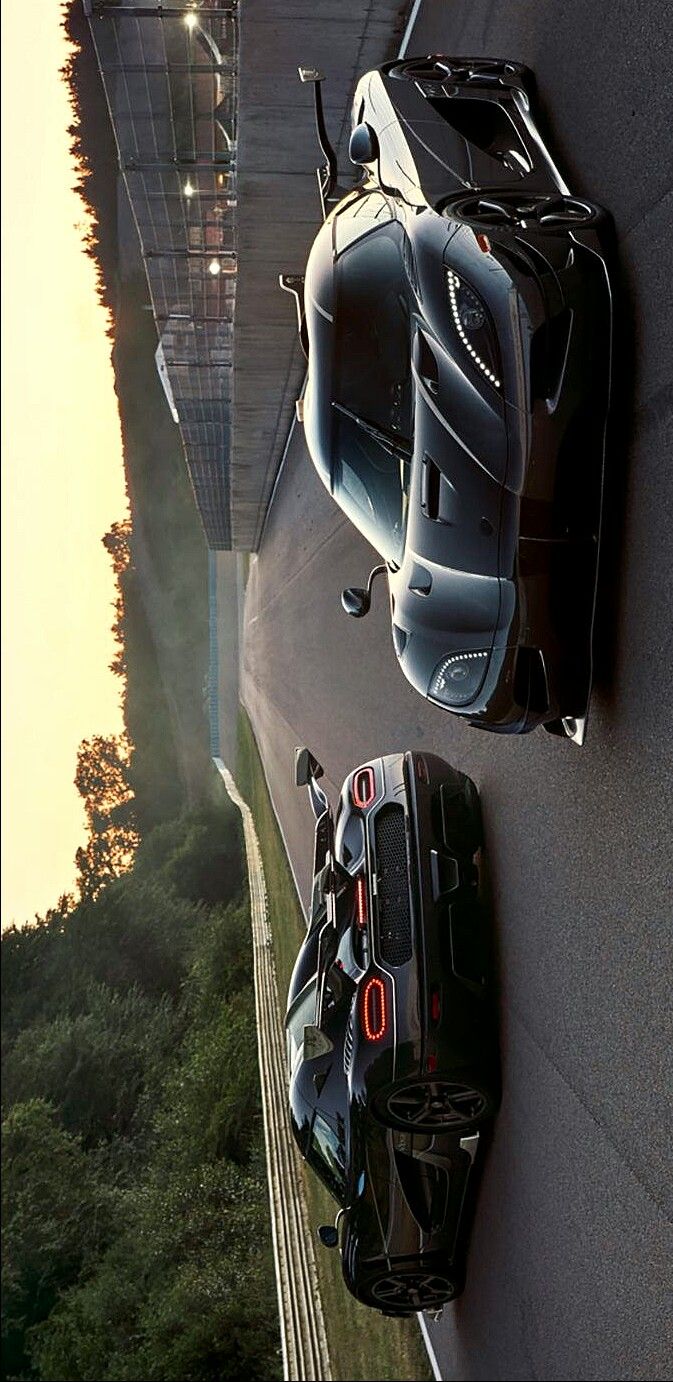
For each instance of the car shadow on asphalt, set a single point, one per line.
(493, 992)
(619, 439)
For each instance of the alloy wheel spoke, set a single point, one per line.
(559, 212)
(562, 218)
(436, 1104)
(418, 1289)
(437, 1289)
(497, 211)
(421, 1113)
(464, 1096)
(407, 1099)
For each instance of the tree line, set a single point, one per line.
(136, 1230)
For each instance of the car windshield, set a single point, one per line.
(373, 408)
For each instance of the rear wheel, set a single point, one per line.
(501, 210)
(555, 727)
(407, 1289)
(437, 67)
(433, 1106)
(476, 829)
(461, 815)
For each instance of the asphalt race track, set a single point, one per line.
(570, 1264)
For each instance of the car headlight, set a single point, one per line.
(474, 328)
(458, 678)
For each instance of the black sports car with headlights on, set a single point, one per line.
(456, 312)
(391, 1049)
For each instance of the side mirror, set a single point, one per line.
(328, 1235)
(306, 766)
(355, 601)
(316, 1043)
(364, 145)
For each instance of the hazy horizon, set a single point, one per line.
(63, 478)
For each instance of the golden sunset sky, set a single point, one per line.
(63, 481)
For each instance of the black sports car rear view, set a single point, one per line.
(390, 1038)
(457, 317)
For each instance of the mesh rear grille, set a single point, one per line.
(394, 913)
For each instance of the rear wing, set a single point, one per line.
(327, 173)
(294, 284)
(329, 876)
(327, 190)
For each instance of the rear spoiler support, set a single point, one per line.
(327, 174)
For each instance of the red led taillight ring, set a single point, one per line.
(374, 1009)
(363, 787)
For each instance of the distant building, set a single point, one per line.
(169, 72)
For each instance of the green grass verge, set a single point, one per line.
(362, 1344)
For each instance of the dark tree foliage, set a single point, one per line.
(56, 1213)
(93, 147)
(137, 1241)
(102, 780)
(118, 543)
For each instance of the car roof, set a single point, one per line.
(319, 296)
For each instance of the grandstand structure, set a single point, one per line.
(170, 77)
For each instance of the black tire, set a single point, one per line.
(501, 211)
(555, 727)
(408, 1289)
(433, 1105)
(464, 826)
(476, 826)
(441, 67)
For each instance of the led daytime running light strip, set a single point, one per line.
(455, 657)
(461, 657)
(454, 284)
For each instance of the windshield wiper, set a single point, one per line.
(391, 442)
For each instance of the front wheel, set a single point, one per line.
(434, 1106)
(542, 214)
(408, 1289)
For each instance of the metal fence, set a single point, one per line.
(170, 78)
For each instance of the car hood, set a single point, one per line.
(446, 596)
(459, 465)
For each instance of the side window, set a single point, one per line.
(359, 217)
